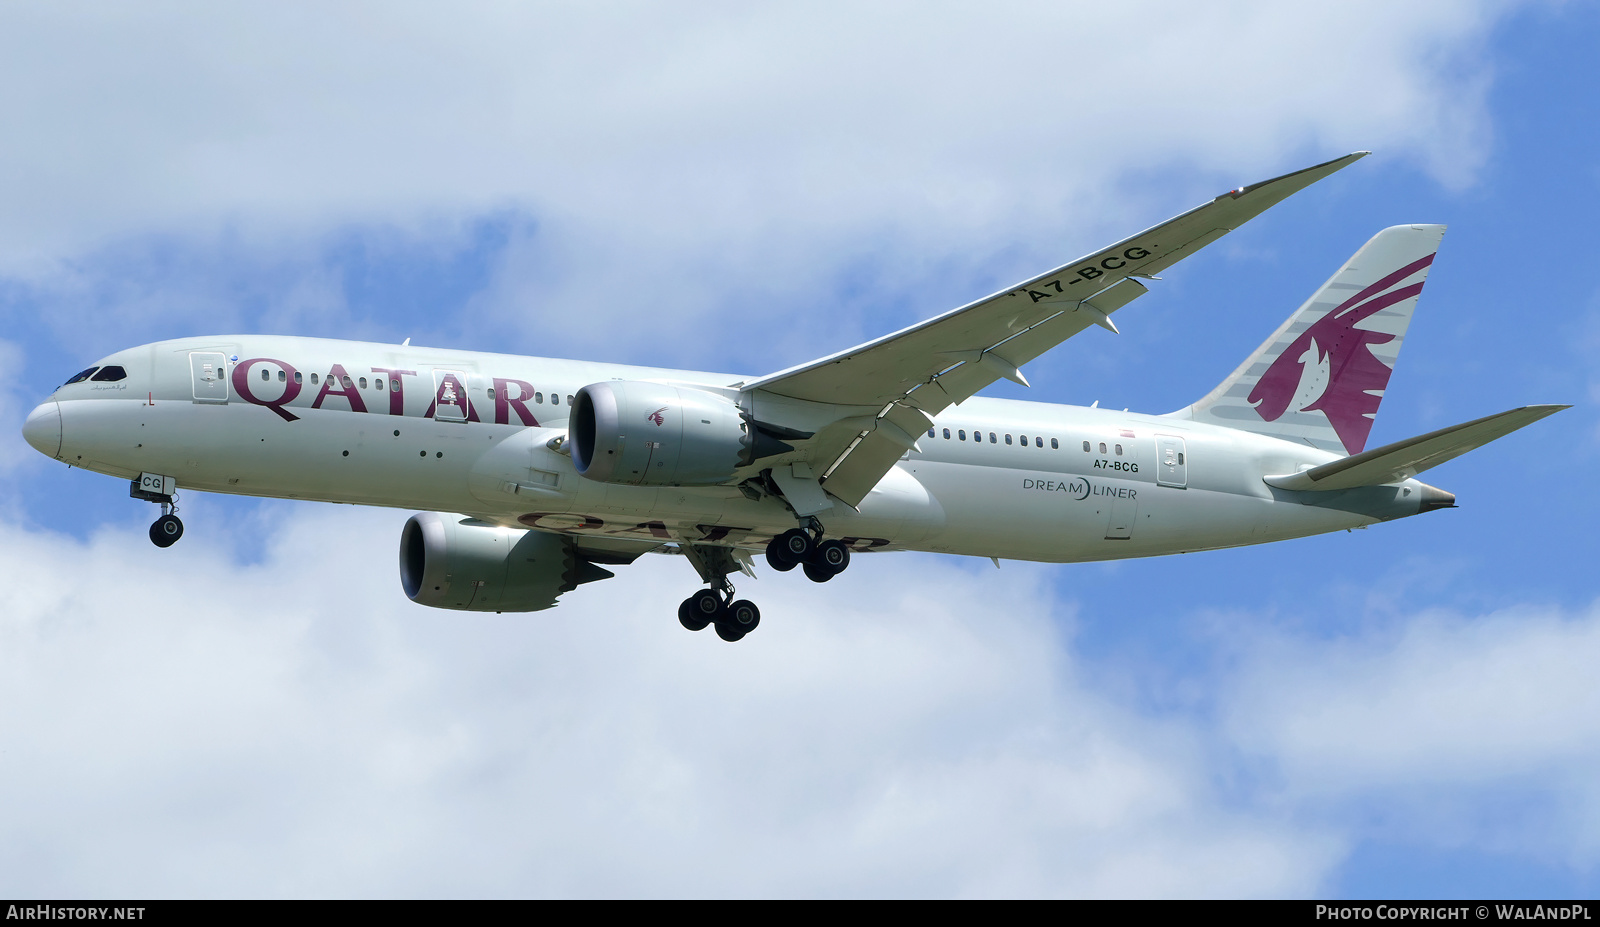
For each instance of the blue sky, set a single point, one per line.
(1407, 711)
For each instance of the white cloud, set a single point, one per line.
(693, 162)
(178, 724)
(1448, 717)
(15, 404)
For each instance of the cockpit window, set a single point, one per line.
(82, 376)
(110, 374)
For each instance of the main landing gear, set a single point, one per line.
(716, 606)
(733, 618)
(163, 490)
(797, 547)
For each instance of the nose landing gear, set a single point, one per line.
(153, 487)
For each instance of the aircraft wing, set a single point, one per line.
(907, 377)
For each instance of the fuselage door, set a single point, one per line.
(210, 374)
(1172, 465)
(1124, 512)
(450, 402)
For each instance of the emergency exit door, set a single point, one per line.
(210, 374)
(450, 402)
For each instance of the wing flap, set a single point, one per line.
(1394, 463)
(868, 458)
(864, 461)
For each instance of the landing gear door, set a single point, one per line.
(450, 402)
(1172, 465)
(210, 374)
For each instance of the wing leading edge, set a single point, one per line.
(897, 383)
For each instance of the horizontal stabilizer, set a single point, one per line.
(1402, 460)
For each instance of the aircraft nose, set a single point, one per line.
(43, 429)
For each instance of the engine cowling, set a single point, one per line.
(452, 561)
(655, 434)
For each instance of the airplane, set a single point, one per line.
(534, 475)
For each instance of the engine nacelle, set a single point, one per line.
(653, 434)
(452, 561)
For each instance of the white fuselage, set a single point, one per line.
(1020, 484)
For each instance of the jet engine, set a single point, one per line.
(452, 561)
(653, 434)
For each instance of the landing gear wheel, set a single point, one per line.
(689, 616)
(728, 632)
(834, 555)
(818, 573)
(166, 531)
(744, 615)
(706, 605)
(796, 544)
(778, 557)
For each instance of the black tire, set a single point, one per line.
(688, 618)
(744, 615)
(818, 573)
(706, 604)
(728, 632)
(833, 555)
(777, 558)
(796, 545)
(166, 531)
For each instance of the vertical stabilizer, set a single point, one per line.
(1321, 376)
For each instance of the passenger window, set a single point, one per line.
(363, 382)
(1119, 450)
(1102, 447)
(1086, 447)
(947, 434)
(1053, 445)
(538, 397)
(931, 432)
(313, 379)
(491, 392)
(394, 385)
(991, 438)
(82, 376)
(569, 399)
(265, 374)
(283, 376)
(298, 376)
(962, 432)
(345, 381)
(555, 399)
(1008, 439)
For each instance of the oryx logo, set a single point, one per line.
(656, 416)
(1331, 369)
